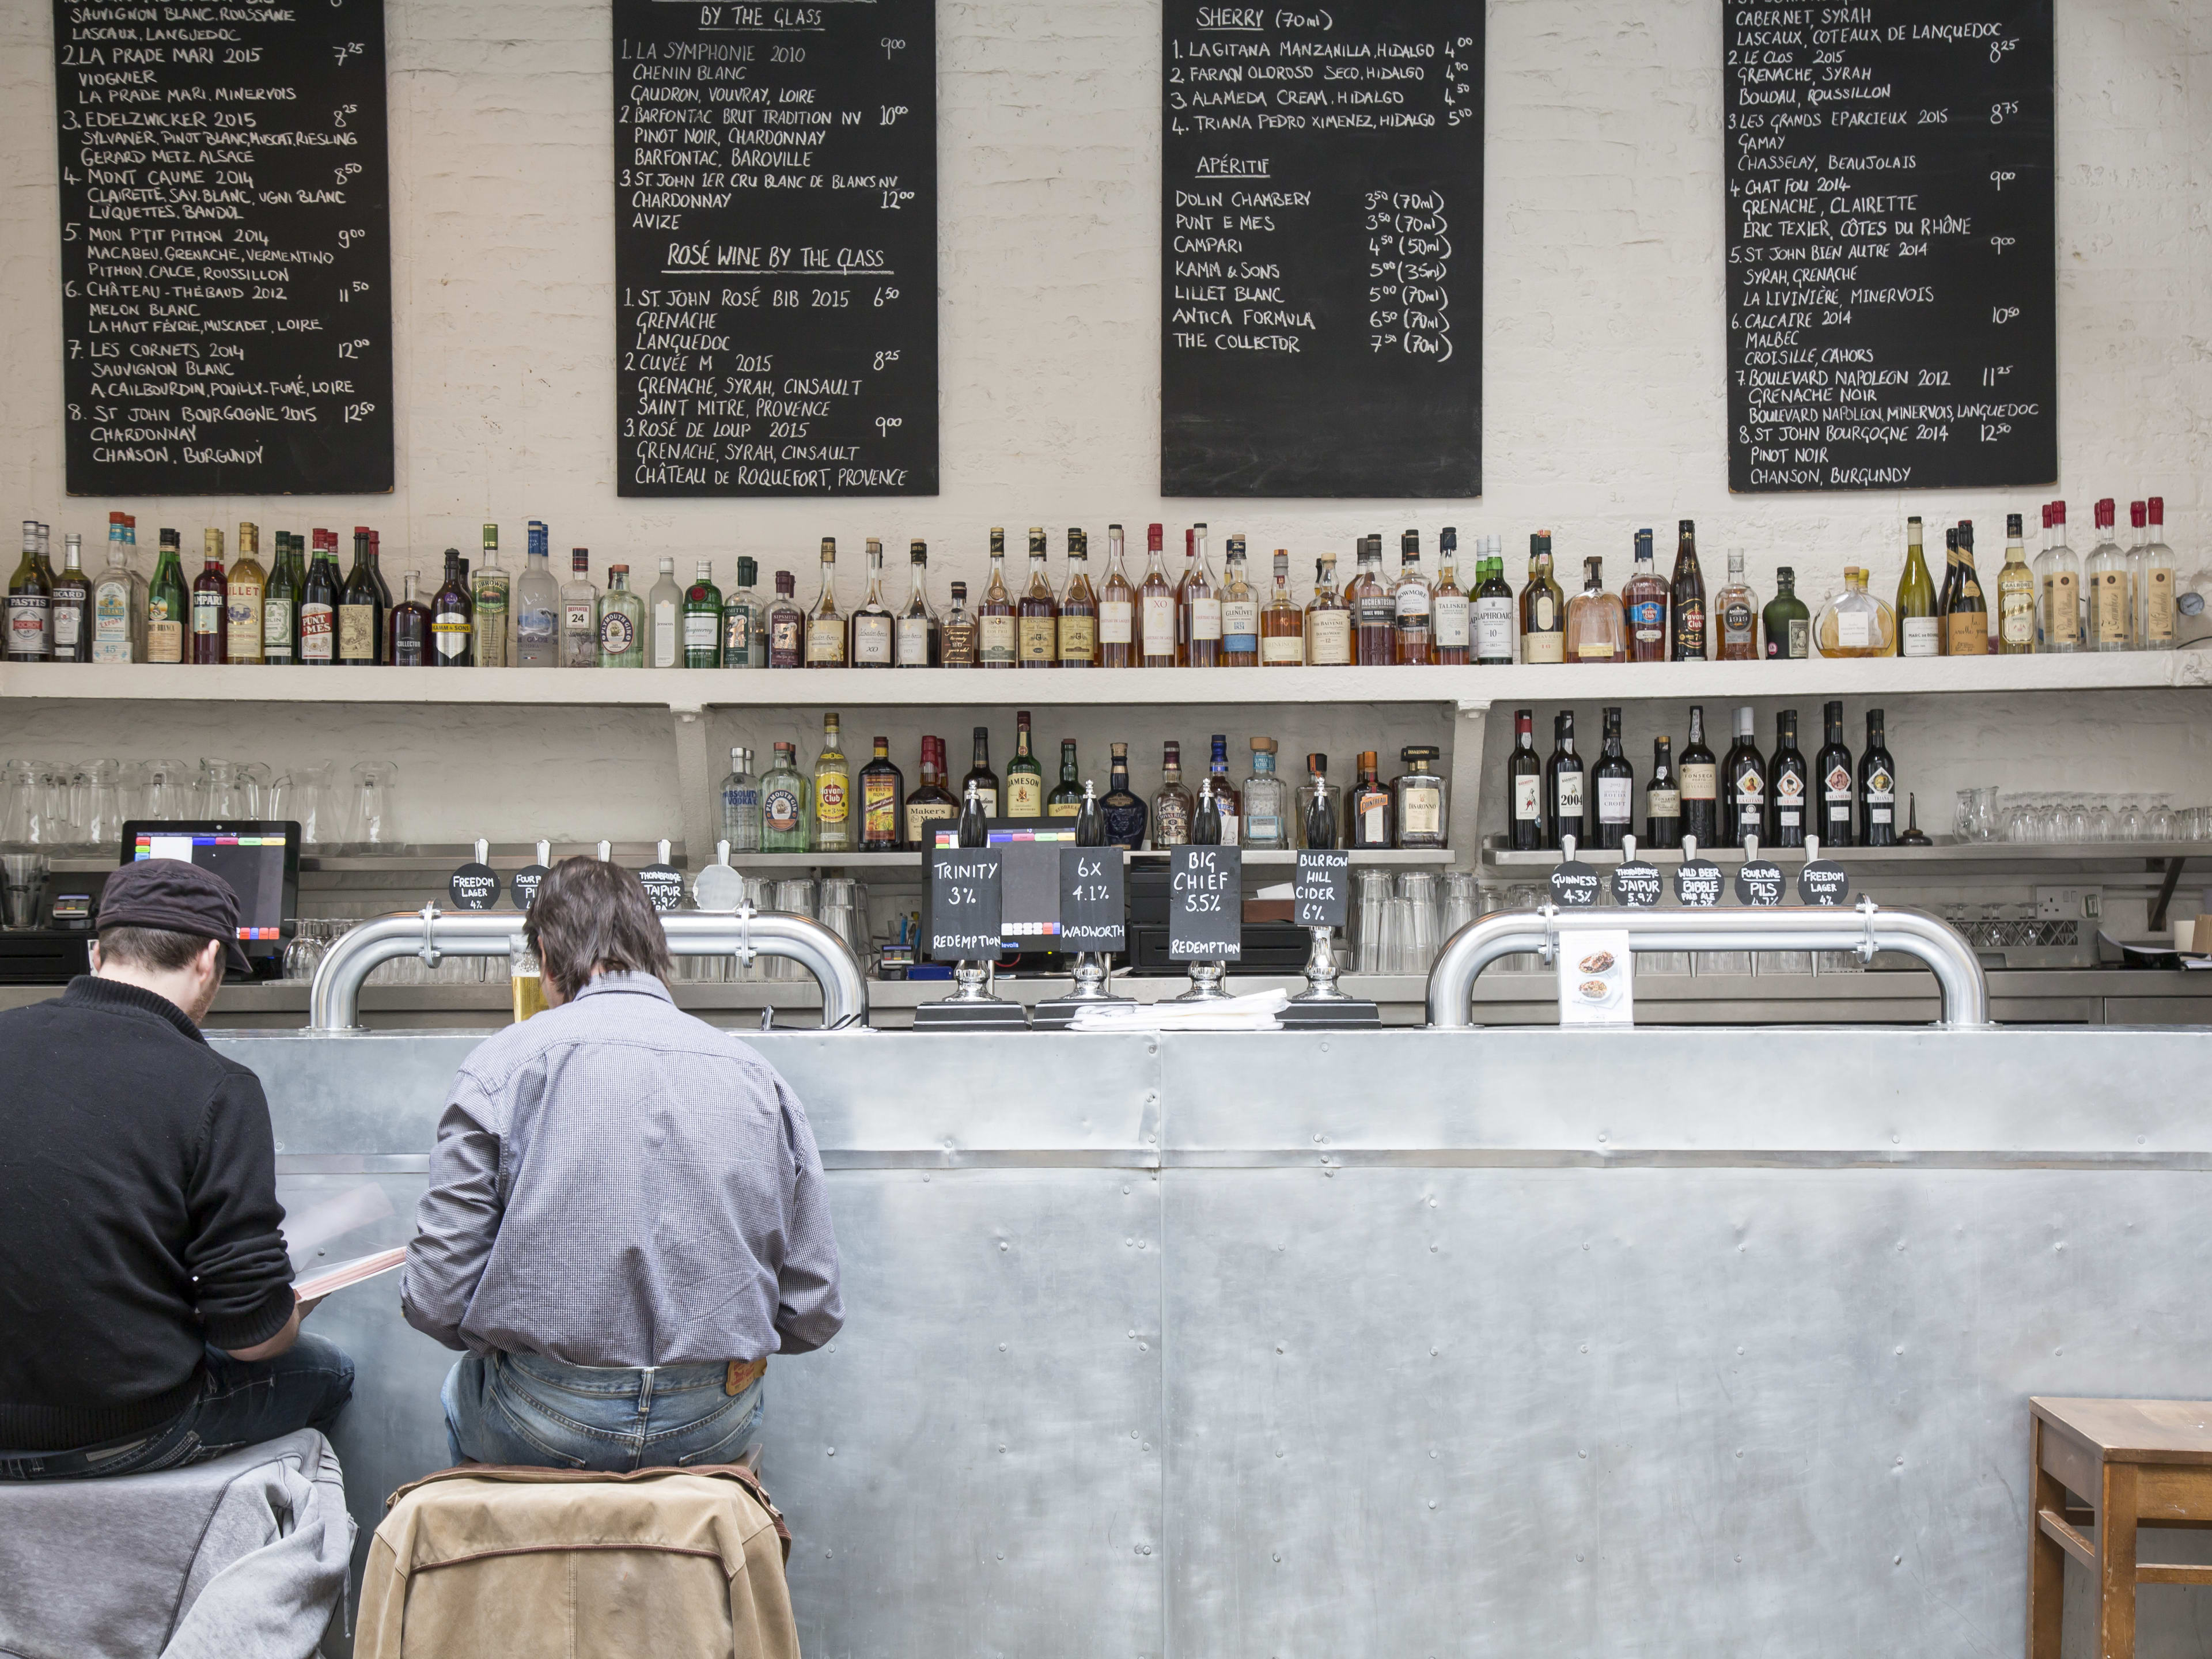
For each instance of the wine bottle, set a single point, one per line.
(1743, 777)
(1563, 785)
(1919, 631)
(1789, 785)
(1701, 784)
(1877, 787)
(1663, 798)
(1526, 828)
(1613, 781)
(1833, 770)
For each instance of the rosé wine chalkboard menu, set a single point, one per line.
(775, 248)
(1892, 246)
(1321, 264)
(226, 248)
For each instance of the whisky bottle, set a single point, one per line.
(1282, 624)
(72, 604)
(1663, 798)
(1117, 609)
(410, 627)
(621, 623)
(1789, 785)
(787, 625)
(1833, 770)
(1919, 628)
(489, 599)
(538, 608)
(1743, 805)
(1024, 776)
(1197, 605)
(1450, 621)
(833, 793)
(31, 605)
(1066, 799)
(825, 623)
(980, 779)
(1701, 784)
(1738, 610)
(453, 619)
(1644, 600)
(870, 644)
(1240, 612)
(2015, 595)
(320, 597)
(931, 803)
(997, 642)
(702, 619)
(1565, 802)
(1172, 804)
(210, 604)
(1787, 622)
(1374, 609)
(1156, 608)
(168, 604)
(959, 638)
(787, 804)
(1877, 787)
(2058, 586)
(1078, 607)
(1685, 639)
(882, 797)
(1526, 826)
(580, 613)
(1543, 607)
(1125, 812)
(661, 636)
(1493, 616)
(918, 642)
(1612, 784)
(1415, 618)
(1037, 626)
(1329, 619)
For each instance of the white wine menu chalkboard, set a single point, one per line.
(226, 240)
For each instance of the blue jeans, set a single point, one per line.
(243, 1403)
(523, 1408)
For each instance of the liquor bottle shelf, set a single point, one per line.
(1943, 858)
(685, 690)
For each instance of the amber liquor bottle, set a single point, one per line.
(1117, 609)
(882, 797)
(1329, 619)
(1412, 603)
(1370, 814)
(1240, 611)
(1156, 626)
(958, 635)
(1451, 618)
(1078, 607)
(1374, 609)
(1037, 626)
(1197, 605)
(1282, 624)
(994, 617)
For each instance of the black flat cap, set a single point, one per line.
(176, 897)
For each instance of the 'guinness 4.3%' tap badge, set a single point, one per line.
(1574, 884)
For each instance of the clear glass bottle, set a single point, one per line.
(1198, 606)
(490, 595)
(114, 635)
(1919, 626)
(580, 613)
(662, 635)
(1329, 619)
(959, 636)
(1737, 608)
(2155, 622)
(1418, 799)
(739, 804)
(1786, 623)
(2112, 603)
(2015, 595)
(1644, 601)
(702, 619)
(410, 627)
(1416, 618)
(1597, 626)
(872, 641)
(833, 793)
(1156, 625)
(787, 804)
(1240, 611)
(1282, 624)
(1036, 613)
(2058, 590)
(825, 622)
(916, 639)
(72, 604)
(1854, 623)
(1543, 607)
(1267, 801)
(1374, 607)
(538, 606)
(1117, 609)
(621, 623)
(1451, 621)
(1078, 607)
(1172, 804)
(744, 621)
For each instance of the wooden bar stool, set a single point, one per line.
(2138, 1463)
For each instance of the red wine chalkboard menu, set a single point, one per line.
(226, 248)
(1320, 230)
(1892, 246)
(775, 248)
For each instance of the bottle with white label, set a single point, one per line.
(1419, 799)
(1450, 616)
(664, 620)
(1494, 616)
(1199, 605)
(2112, 598)
(1240, 612)
(1920, 625)
(1613, 781)
(1701, 785)
(537, 606)
(916, 639)
(1743, 778)
(873, 626)
(1877, 788)
(1789, 787)
(1563, 785)
(1414, 604)
(113, 639)
(2058, 588)
(1524, 786)
(1156, 607)
(1329, 619)
(580, 614)
(1117, 609)
(2155, 582)
(1663, 798)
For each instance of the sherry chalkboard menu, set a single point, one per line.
(1321, 231)
(226, 248)
(1892, 246)
(775, 248)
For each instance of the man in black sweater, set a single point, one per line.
(147, 1318)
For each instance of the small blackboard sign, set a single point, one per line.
(1094, 910)
(1760, 882)
(1823, 883)
(664, 886)
(1636, 885)
(964, 903)
(474, 887)
(1323, 895)
(1574, 886)
(1698, 884)
(523, 887)
(1206, 904)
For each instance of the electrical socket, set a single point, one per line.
(2068, 903)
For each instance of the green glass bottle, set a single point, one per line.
(1024, 776)
(1788, 624)
(703, 620)
(1920, 625)
(1066, 800)
(280, 605)
(168, 603)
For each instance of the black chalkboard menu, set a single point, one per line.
(1892, 246)
(775, 248)
(226, 248)
(1321, 263)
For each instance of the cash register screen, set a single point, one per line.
(261, 862)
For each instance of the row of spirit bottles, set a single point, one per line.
(832, 808)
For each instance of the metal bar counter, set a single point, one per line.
(1494, 1342)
